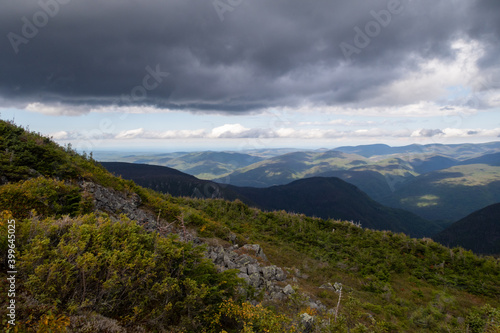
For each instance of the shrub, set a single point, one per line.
(120, 271)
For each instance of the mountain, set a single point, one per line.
(97, 253)
(489, 159)
(479, 231)
(448, 194)
(422, 179)
(432, 163)
(319, 196)
(288, 167)
(209, 164)
(454, 151)
(337, 199)
(373, 183)
(379, 149)
(206, 165)
(171, 181)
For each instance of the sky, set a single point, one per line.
(170, 75)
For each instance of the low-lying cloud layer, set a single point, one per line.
(72, 57)
(238, 131)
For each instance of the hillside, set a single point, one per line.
(479, 231)
(96, 253)
(321, 197)
(449, 194)
(205, 165)
(285, 168)
(170, 181)
(333, 198)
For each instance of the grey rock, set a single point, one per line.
(253, 269)
(307, 321)
(316, 305)
(327, 286)
(269, 272)
(277, 296)
(245, 260)
(280, 274)
(288, 290)
(255, 280)
(244, 276)
(256, 249)
(116, 202)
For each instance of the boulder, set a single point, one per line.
(255, 249)
(307, 321)
(288, 290)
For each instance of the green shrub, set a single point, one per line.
(47, 197)
(120, 271)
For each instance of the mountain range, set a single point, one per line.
(437, 182)
(325, 197)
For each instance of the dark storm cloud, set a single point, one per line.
(180, 54)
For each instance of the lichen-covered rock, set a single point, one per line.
(116, 202)
(280, 274)
(288, 290)
(269, 272)
(253, 268)
(256, 249)
(327, 286)
(254, 273)
(307, 321)
(255, 280)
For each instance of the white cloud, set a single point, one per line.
(237, 131)
(228, 130)
(130, 134)
(61, 135)
(176, 134)
(423, 109)
(457, 133)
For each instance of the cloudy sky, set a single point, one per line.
(236, 74)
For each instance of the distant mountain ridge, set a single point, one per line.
(464, 151)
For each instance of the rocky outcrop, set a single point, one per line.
(250, 261)
(115, 202)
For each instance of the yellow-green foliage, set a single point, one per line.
(46, 196)
(245, 317)
(119, 270)
(25, 155)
